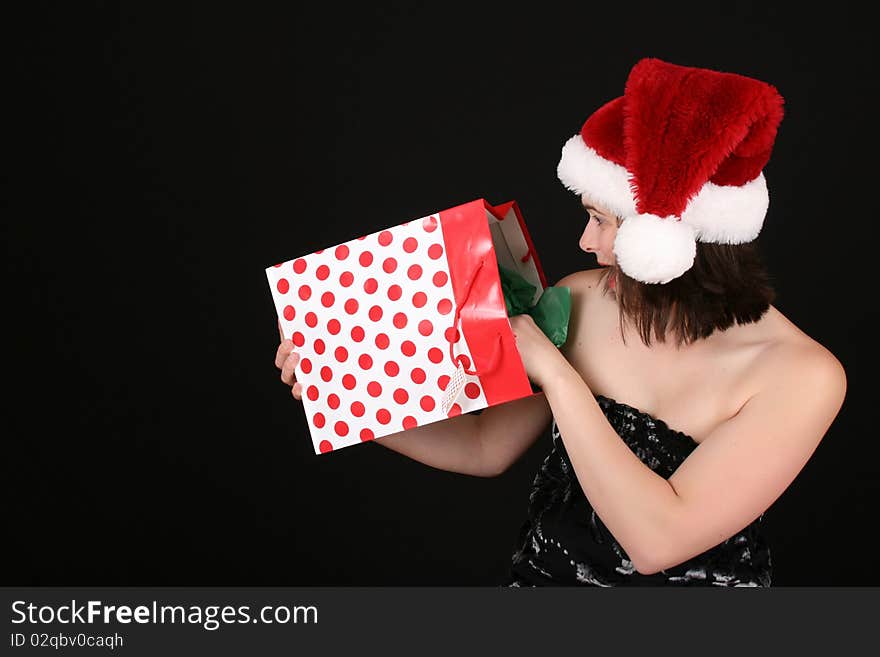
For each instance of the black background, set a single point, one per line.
(161, 157)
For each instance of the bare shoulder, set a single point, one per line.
(583, 284)
(800, 363)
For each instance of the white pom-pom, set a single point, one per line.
(652, 249)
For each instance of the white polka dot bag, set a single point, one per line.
(408, 325)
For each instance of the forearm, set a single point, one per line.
(453, 444)
(637, 505)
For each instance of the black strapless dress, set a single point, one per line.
(564, 543)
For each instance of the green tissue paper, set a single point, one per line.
(552, 311)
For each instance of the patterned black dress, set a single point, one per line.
(564, 543)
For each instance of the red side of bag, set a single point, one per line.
(484, 314)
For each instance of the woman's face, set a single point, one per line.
(599, 234)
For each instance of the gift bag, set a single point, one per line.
(408, 325)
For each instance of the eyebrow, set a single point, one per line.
(587, 206)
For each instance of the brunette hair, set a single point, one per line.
(727, 284)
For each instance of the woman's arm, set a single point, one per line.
(483, 445)
(732, 477)
(453, 444)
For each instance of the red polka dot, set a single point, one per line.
(311, 319)
(333, 401)
(414, 272)
(394, 292)
(305, 365)
(325, 446)
(367, 434)
(341, 252)
(418, 375)
(440, 278)
(390, 265)
(346, 278)
(304, 292)
(357, 334)
(341, 428)
(410, 244)
(298, 339)
(278, 265)
(409, 422)
(465, 361)
(382, 341)
(472, 390)
(443, 381)
(326, 373)
(385, 238)
(451, 334)
(341, 354)
(362, 237)
(455, 410)
(334, 326)
(376, 313)
(427, 403)
(327, 299)
(401, 396)
(289, 313)
(435, 251)
(299, 265)
(320, 251)
(435, 355)
(408, 348)
(351, 306)
(349, 382)
(283, 285)
(444, 306)
(371, 285)
(392, 368)
(426, 327)
(383, 416)
(318, 346)
(312, 393)
(429, 224)
(365, 361)
(366, 259)
(374, 388)
(357, 409)
(419, 299)
(322, 272)
(319, 420)
(400, 320)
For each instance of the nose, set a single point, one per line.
(588, 239)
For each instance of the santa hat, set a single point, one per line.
(679, 158)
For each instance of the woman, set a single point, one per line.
(683, 403)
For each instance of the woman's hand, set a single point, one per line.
(286, 360)
(538, 353)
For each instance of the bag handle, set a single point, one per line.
(496, 353)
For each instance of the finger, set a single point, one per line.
(288, 374)
(282, 353)
(280, 334)
(296, 390)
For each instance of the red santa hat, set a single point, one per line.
(679, 157)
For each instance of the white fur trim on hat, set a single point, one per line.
(719, 214)
(727, 214)
(652, 249)
(582, 170)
